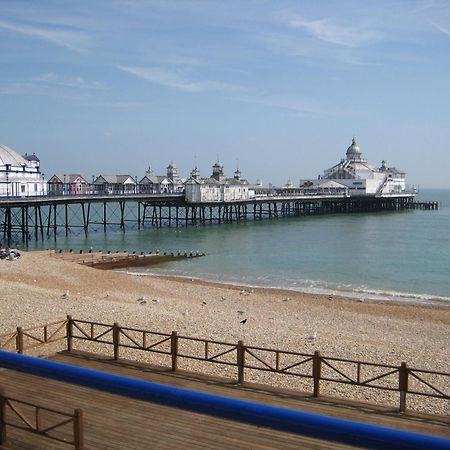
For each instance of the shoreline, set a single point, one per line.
(406, 299)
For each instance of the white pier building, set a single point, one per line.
(20, 176)
(362, 178)
(217, 188)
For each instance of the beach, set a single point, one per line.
(381, 332)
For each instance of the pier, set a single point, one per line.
(41, 218)
(424, 205)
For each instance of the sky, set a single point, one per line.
(277, 88)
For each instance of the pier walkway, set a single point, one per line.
(22, 220)
(113, 422)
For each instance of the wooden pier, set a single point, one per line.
(115, 422)
(22, 220)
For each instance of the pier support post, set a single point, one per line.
(116, 340)
(403, 385)
(2, 417)
(69, 332)
(19, 340)
(317, 366)
(174, 349)
(78, 429)
(240, 361)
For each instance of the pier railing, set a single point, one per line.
(50, 423)
(245, 358)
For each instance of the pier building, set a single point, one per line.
(115, 184)
(162, 184)
(217, 188)
(20, 176)
(362, 178)
(68, 184)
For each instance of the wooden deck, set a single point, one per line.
(113, 422)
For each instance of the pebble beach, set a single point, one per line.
(33, 288)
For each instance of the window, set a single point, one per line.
(22, 188)
(35, 187)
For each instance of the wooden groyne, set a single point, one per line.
(121, 260)
(424, 205)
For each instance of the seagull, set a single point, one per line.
(203, 303)
(313, 337)
(240, 312)
(143, 302)
(243, 321)
(140, 299)
(222, 298)
(65, 295)
(361, 300)
(155, 300)
(107, 294)
(286, 299)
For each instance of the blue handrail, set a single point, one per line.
(307, 424)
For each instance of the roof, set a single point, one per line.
(68, 178)
(9, 156)
(154, 179)
(32, 157)
(114, 179)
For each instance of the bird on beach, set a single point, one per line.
(240, 312)
(204, 303)
(140, 299)
(313, 337)
(222, 298)
(243, 321)
(155, 300)
(65, 295)
(143, 302)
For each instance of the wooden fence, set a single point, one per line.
(17, 413)
(315, 367)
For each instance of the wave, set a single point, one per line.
(310, 287)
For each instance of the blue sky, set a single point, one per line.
(277, 87)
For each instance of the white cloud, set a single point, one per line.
(440, 28)
(347, 36)
(72, 39)
(297, 105)
(73, 82)
(175, 80)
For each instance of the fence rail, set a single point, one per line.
(317, 368)
(29, 417)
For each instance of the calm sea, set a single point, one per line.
(393, 255)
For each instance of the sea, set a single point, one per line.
(402, 256)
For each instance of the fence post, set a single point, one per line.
(78, 438)
(240, 361)
(403, 385)
(19, 340)
(116, 340)
(69, 332)
(174, 349)
(2, 417)
(317, 366)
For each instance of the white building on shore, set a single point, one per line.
(217, 188)
(362, 178)
(20, 176)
